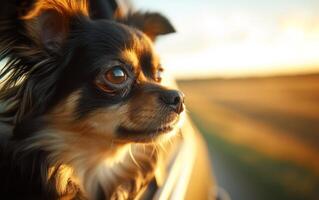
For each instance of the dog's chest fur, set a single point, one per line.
(110, 170)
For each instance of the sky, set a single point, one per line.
(230, 38)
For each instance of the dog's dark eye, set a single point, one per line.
(116, 75)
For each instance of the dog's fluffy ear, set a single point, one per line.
(48, 23)
(28, 25)
(31, 35)
(152, 24)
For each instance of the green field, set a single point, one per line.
(262, 133)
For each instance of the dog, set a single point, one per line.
(83, 104)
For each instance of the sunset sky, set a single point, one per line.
(227, 38)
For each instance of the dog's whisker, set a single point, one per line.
(132, 157)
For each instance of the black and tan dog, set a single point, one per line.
(81, 94)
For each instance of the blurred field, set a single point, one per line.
(263, 133)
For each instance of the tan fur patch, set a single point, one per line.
(130, 56)
(62, 176)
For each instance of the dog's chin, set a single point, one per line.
(143, 135)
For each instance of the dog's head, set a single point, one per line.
(92, 77)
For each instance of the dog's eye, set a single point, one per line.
(116, 75)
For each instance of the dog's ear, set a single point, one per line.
(49, 29)
(48, 23)
(32, 32)
(152, 24)
(29, 26)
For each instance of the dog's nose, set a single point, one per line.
(174, 99)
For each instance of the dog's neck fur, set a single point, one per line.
(97, 168)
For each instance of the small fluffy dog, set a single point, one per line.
(80, 95)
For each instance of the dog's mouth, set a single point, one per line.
(143, 134)
(154, 131)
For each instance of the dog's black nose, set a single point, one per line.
(174, 99)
